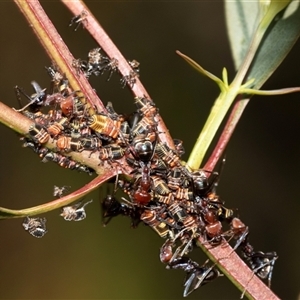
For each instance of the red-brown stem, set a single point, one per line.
(55, 204)
(237, 271)
(234, 117)
(14, 120)
(97, 32)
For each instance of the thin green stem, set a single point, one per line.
(227, 95)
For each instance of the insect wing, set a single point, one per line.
(201, 276)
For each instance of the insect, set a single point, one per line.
(196, 276)
(63, 161)
(141, 195)
(38, 117)
(199, 276)
(36, 100)
(135, 65)
(74, 212)
(213, 228)
(68, 144)
(91, 143)
(79, 20)
(145, 126)
(73, 165)
(142, 148)
(111, 208)
(175, 179)
(104, 125)
(60, 191)
(202, 185)
(177, 212)
(158, 222)
(168, 155)
(129, 79)
(59, 82)
(38, 134)
(159, 186)
(96, 64)
(179, 147)
(57, 127)
(35, 226)
(111, 152)
(146, 107)
(76, 128)
(262, 264)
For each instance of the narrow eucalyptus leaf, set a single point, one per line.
(278, 41)
(242, 18)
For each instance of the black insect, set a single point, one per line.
(196, 275)
(111, 208)
(262, 264)
(36, 100)
(199, 276)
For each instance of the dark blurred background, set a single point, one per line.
(261, 177)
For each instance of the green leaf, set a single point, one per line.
(277, 43)
(273, 7)
(242, 18)
(204, 72)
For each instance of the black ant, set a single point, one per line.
(111, 208)
(196, 276)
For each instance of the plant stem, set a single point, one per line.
(14, 119)
(237, 271)
(227, 132)
(222, 105)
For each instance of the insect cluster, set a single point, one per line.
(179, 204)
(97, 64)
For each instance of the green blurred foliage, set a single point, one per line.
(86, 261)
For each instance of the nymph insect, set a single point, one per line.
(79, 20)
(35, 226)
(74, 212)
(60, 191)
